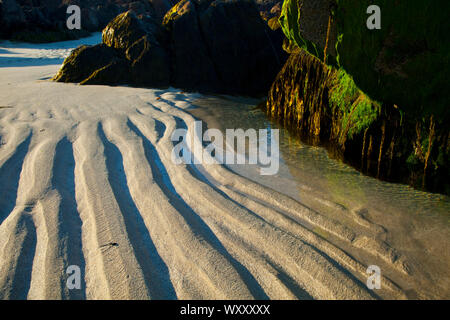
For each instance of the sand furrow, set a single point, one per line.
(58, 217)
(192, 254)
(18, 234)
(37, 198)
(95, 186)
(319, 241)
(158, 284)
(296, 210)
(20, 226)
(111, 267)
(115, 205)
(225, 177)
(212, 207)
(311, 217)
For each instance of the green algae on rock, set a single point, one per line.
(369, 102)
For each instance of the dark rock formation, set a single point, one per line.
(45, 20)
(244, 54)
(192, 65)
(149, 63)
(269, 8)
(210, 46)
(11, 14)
(161, 7)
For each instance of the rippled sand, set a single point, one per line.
(86, 179)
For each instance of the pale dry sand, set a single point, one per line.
(85, 167)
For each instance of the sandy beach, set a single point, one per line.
(86, 179)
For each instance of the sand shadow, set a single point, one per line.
(162, 179)
(9, 178)
(155, 271)
(69, 220)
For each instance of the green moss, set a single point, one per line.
(412, 161)
(345, 92)
(290, 24)
(357, 110)
(365, 114)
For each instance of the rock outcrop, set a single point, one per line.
(379, 100)
(210, 46)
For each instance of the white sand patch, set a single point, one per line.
(19, 54)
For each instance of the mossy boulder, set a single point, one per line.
(83, 61)
(307, 23)
(123, 31)
(123, 58)
(407, 61)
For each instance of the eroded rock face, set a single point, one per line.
(303, 98)
(211, 46)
